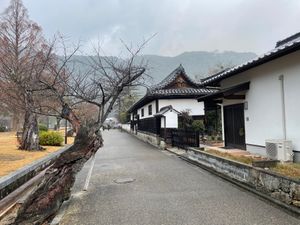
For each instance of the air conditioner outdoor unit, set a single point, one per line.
(279, 150)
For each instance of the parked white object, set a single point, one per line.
(279, 149)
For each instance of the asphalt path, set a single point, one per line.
(134, 183)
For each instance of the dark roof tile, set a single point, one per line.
(171, 77)
(283, 47)
(160, 90)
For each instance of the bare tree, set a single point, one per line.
(98, 87)
(23, 58)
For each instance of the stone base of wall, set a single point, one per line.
(152, 139)
(283, 189)
(147, 137)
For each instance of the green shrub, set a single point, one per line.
(198, 125)
(123, 117)
(43, 127)
(2, 129)
(51, 138)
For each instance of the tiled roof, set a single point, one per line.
(165, 109)
(282, 48)
(181, 91)
(171, 77)
(161, 90)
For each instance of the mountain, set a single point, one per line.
(197, 64)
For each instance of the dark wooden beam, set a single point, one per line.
(235, 97)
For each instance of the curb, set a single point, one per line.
(289, 209)
(14, 180)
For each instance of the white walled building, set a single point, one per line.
(162, 104)
(260, 99)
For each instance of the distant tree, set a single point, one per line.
(23, 58)
(213, 122)
(215, 69)
(8, 109)
(125, 101)
(185, 120)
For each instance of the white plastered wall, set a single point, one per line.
(171, 118)
(146, 113)
(196, 108)
(263, 118)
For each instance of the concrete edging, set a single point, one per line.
(12, 181)
(278, 189)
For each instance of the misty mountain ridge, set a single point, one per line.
(197, 64)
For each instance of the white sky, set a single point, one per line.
(181, 25)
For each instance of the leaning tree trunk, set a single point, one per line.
(44, 202)
(30, 135)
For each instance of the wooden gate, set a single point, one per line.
(234, 126)
(185, 138)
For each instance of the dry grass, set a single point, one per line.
(239, 158)
(288, 169)
(12, 159)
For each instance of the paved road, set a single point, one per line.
(166, 191)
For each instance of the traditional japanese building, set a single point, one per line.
(160, 108)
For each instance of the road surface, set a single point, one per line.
(165, 191)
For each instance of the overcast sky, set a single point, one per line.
(181, 25)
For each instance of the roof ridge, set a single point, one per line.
(286, 46)
(171, 77)
(287, 39)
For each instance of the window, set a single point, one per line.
(150, 110)
(142, 112)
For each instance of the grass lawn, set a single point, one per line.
(12, 159)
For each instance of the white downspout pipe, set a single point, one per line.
(281, 78)
(222, 120)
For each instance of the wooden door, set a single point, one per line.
(234, 126)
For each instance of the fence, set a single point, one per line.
(151, 125)
(185, 138)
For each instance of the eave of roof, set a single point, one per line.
(277, 52)
(231, 90)
(171, 94)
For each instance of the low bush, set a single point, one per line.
(3, 129)
(43, 127)
(198, 126)
(51, 138)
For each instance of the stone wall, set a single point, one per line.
(286, 190)
(147, 137)
(126, 127)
